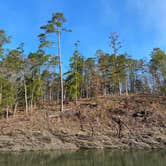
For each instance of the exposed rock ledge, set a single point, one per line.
(35, 141)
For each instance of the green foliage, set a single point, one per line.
(34, 81)
(74, 76)
(28, 79)
(3, 40)
(158, 68)
(13, 61)
(8, 92)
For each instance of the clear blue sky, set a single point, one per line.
(141, 24)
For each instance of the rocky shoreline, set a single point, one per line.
(86, 130)
(37, 141)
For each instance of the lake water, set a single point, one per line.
(85, 158)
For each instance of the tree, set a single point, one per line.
(3, 40)
(74, 76)
(121, 69)
(115, 44)
(103, 66)
(55, 25)
(132, 66)
(157, 68)
(10, 79)
(90, 77)
(35, 84)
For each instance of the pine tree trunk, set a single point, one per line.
(87, 92)
(60, 68)
(15, 109)
(31, 105)
(50, 95)
(32, 101)
(26, 98)
(126, 88)
(76, 97)
(120, 90)
(0, 98)
(7, 112)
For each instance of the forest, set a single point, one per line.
(28, 81)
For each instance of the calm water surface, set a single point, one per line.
(85, 158)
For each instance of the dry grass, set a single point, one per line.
(98, 114)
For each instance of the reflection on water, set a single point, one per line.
(84, 158)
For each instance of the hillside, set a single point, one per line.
(136, 121)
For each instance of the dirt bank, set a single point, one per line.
(137, 121)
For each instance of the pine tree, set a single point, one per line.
(158, 69)
(55, 25)
(74, 76)
(116, 45)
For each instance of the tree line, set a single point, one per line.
(30, 80)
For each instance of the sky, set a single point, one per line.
(140, 24)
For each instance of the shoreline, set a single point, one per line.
(79, 144)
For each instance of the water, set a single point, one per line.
(85, 158)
